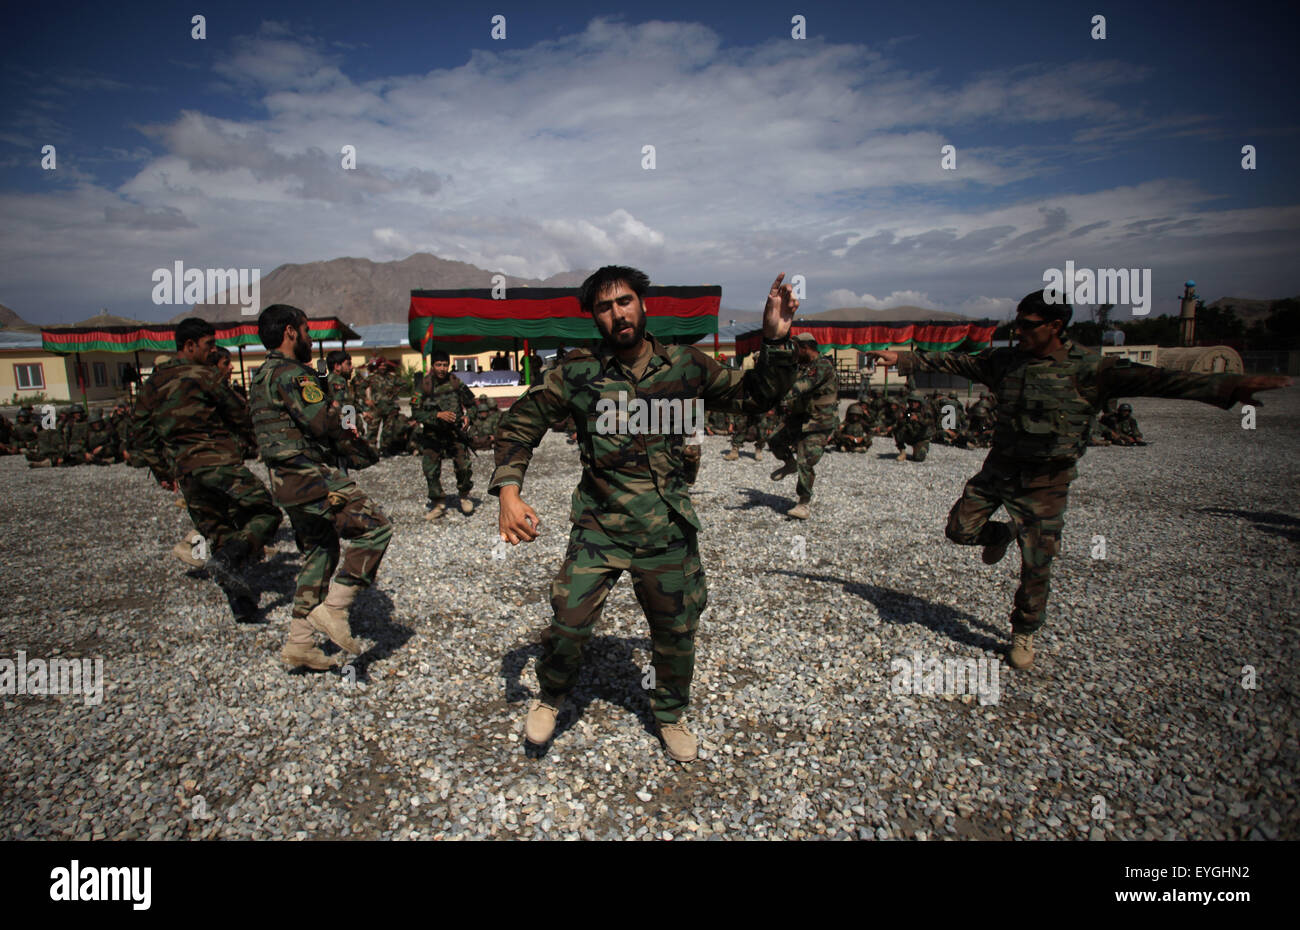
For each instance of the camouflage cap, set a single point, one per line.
(77, 410)
(806, 337)
(1125, 408)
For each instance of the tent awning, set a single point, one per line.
(469, 320)
(161, 337)
(867, 337)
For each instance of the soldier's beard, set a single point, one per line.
(302, 352)
(627, 338)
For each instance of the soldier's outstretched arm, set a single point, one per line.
(517, 435)
(756, 390)
(1127, 379)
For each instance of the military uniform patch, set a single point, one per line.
(310, 390)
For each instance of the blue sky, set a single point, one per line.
(818, 157)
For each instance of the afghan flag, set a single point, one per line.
(869, 337)
(469, 320)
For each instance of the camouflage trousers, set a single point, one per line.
(791, 444)
(393, 432)
(433, 451)
(227, 503)
(691, 462)
(346, 513)
(669, 584)
(920, 447)
(1035, 500)
(848, 442)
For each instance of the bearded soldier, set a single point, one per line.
(1047, 390)
(443, 411)
(300, 438)
(632, 508)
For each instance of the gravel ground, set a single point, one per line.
(1136, 722)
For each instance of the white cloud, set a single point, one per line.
(808, 157)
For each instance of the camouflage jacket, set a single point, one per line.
(452, 395)
(297, 430)
(51, 443)
(1044, 406)
(813, 399)
(344, 391)
(25, 435)
(100, 436)
(915, 424)
(633, 486)
(186, 418)
(384, 394)
(1127, 426)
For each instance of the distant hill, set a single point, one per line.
(362, 292)
(904, 314)
(1247, 310)
(11, 320)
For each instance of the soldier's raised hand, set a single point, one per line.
(890, 359)
(1247, 386)
(779, 310)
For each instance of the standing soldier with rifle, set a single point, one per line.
(443, 412)
(1048, 390)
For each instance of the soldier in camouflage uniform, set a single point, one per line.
(120, 423)
(443, 412)
(102, 441)
(76, 436)
(853, 435)
(1047, 390)
(483, 427)
(748, 428)
(301, 437)
(811, 416)
(51, 447)
(1123, 428)
(980, 421)
(915, 428)
(191, 430)
(24, 437)
(385, 398)
(632, 510)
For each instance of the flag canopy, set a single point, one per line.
(161, 337)
(867, 337)
(469, 320)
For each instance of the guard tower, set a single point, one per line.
(1187, 320)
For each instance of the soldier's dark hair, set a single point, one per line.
(1037, 304)
(223, 353)
(273, 321)
(438, 355)
(603, 278)
(336, 358)
(192, 330)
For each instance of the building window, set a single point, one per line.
(125, 373)
(101, 373)
(465, 364)
(1146, 356)
(30, 377)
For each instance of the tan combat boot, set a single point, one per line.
(300, 649)
(902, 456)
(184, 550)
(436, 511)
(41, 463)
(331, 616)
(758, 455)
(1022, 650)
(466, 506)
(679, 741)
(540, 725)
(800, 510)
(731, 456)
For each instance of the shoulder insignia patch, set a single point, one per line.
(309, 389)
